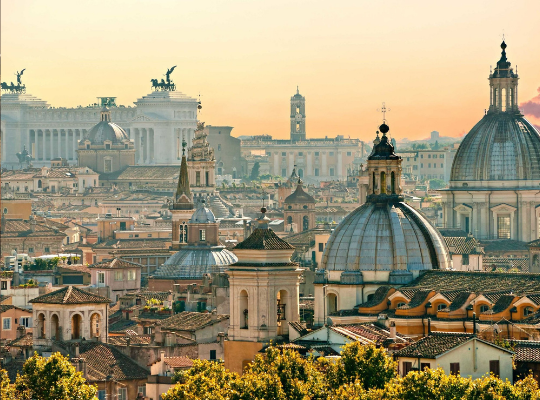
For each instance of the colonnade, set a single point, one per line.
(144, 139)
(46, 144)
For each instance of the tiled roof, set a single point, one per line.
(504, 245)
(115, 263)
(191, 321)
(20, 228)
(477, 282)
(146, 294)
(503, 303)
(6, 307)
(378, 297)
(178, 362)
(104, 360)
(263, 239)
(534, 243)
(24, 341)
(155, 172)
(434, 345)
(463, 245)
(158, 243)
(368, 332)
(70, 295)
(134, 340)
(522, 263)
(526, 351)
(121, 326)
(75, 268)
(418, 298)
(458, 301)
(298, 327)
(452, 232)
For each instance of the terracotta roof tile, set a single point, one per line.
(191, 321)
(115, 263)
(433, 345)
(178, 362)
(526, 351)
(70, 295)
(263, 239)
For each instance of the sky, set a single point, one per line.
(428, 60)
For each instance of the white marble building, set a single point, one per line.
(156, 123)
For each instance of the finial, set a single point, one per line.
(263, 210)
(184, 144)
(199, 104)
(384, 129)
(297, 90)
(384, 110)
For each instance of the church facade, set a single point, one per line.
(495, 179)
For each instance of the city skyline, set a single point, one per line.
(246, 68)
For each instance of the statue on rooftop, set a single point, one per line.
(164, 85)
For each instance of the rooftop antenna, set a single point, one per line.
(199, 104)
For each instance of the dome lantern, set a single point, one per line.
(503, 86)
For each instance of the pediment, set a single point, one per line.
(463, 208)
(503, 208)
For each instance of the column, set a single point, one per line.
(145, 145)
(50, 144)
(324, 172)
(73, 145)
(309, 164)
(151, 146)
(276, 163)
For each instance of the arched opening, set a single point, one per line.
(95, 321)
(283, 312)
(55, 327)
(393, 182)
(441, 307)
(289, 219)
(383, 182)
(535, 263)
(39, 184)
(243, 308)
(528, 311)
(503, 99)
(76, 322)
(495, 97)
(41, 326)
(332, 301)
(305, 223)
(373, 183)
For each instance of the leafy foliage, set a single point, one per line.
(255, 171)
(41, 264)
(362, 373)
(52, 378)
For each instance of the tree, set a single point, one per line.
(6, 390)
(437, 184)
(52, 378)
(255, 171)
(367, 364)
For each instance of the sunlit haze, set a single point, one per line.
(428, 60)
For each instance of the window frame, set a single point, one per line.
(9, 325)
(118, 273)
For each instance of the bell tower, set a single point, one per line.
(298, 117)
(503, 86)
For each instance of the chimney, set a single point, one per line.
(170, 298)
(213, 316)
(162, 363)
(429, 326)
(82, 367)
(76, 350)
(392, 330)
(21, 331)
(221, 338)
(474, 323)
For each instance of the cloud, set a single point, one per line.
(531, 108)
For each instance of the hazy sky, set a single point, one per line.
(428, 60)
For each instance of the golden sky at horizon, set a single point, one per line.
(428, 60)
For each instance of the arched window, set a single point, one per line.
(484, 308)
(528, 311)
(181, 234)
(383, 182)
(185, 233)
(503, 99)
(305, 223)
(393, 182)
(332, 303)
(441, 307)
(243, 308)
(374, 185)
(289, 219)
(76, 322)
(95, 321)
(401, 304)
(55, 327)
(39, 185)
(41, 326)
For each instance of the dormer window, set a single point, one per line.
(107, 146)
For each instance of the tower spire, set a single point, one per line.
(183, 193)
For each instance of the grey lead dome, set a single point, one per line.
(501, 146)
(388, 237)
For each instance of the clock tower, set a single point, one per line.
(298, 117)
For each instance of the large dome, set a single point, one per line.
(502, 146)
(385, 237)
(192, 262)
(106, 130)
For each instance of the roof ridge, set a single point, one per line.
(68, 293)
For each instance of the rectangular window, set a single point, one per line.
(300, 153)
(316, 171)
(122, 394)
(415, 167)
(441, 165)
(454, 368)
(197, 178)
(101, 277)
(494, 367)
(331, 153)
(207, 178)
(142, 389)
(202, 235)
(331, 171)
(101, 395)
(349, 153)
(424, 366)
(283, 172)
(108, 165)
(131, 275)
(429, 165)
(118, 275)
(3, 285)
(429, 156)
(47, 249)
(465, 260)
(30, 249)
(421, 156)
(6, 323)
(321, 247)
(283, 154)
(503, 227)
(316, 154)
(212, 355)
(434, 155)
(136, 235)
(407, 367)
(441, 156)
(421, 165)
(149, 235)
(26, 322)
